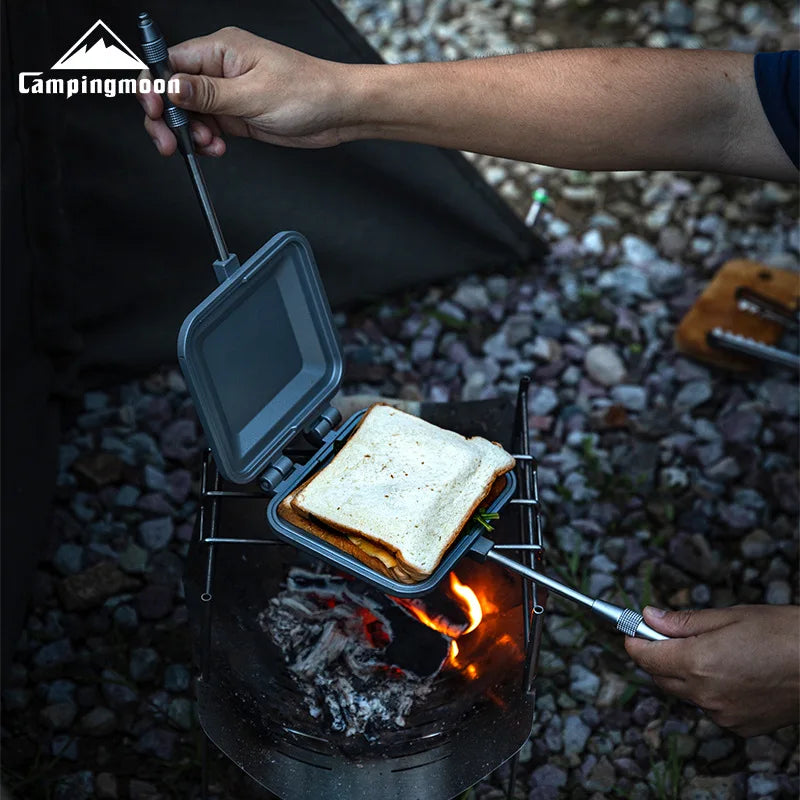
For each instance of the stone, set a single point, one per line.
(575, 735)
(64, 745)
(99, 468)
(692, 394)
(127, 496)
(548, 775)
(716, 749)
(604, 365)
(592, 242)
(116, 691)
(105, 786)
(778, 593)
(154, 478)
(143, 664)
(602, 777)
(665, 278)
(126, 617)
(179, 440)
(78, 786)
(626, 282)
(758, 544)
(181, 713)
(176, 678)
(94, 585)
(646, 710)
(179, 485)
(142, 790)
(68, 559)
(133, 559)
(158, 742)
(612, 688)
(724, 470)
(100, 721)
(737, 517)
(54, 654)
(584, 684)
(472, 297)
(633, 398)
(543, 401)
(59, 716)
(741, 427)
(154, 601)
(60, 690)
(156, 534)
(637, 251)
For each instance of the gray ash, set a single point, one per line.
(341, 643)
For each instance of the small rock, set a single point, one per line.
(154, 478)
(592, 242)
(472, 297)
(100, 721)
(105, 786)
(64, 745)
(584, 684)
(646, 710)
(126, 617)
(757, 544)
(127, 496)
(68, 559)
(637, 251)
(634, 398)
(159, 743)
(716, 749)
(604, 365)
(725, 470)
(78, 786)
(665, 277)
(176, 678)
(92, 586)
(142, 790)
(116, 691)
(779, 593)
(602, 777)
(181, 713)
(54, 654)
(543, 401)
(154, 601)
(59, 716)
(60, 691)
(143, 664)
(741, 427)
(99, 468)
(179, 485)
(179, 440)
(692, 394)
(575, 735)
(155, 534)
(133, 559)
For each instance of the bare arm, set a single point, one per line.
(592, 109)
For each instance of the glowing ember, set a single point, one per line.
(472, 607)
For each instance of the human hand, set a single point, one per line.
(243, 85)
(741, 665)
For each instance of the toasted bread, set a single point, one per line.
(402, 488)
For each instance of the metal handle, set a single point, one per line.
(156, 57)
(626, 620)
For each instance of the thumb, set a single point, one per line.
(206, 95)
(686, 623)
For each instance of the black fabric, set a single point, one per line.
(380, 216)
(778, 82)
(28, 415)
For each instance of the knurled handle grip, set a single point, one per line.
(632, 623)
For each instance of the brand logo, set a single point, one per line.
(99, 49)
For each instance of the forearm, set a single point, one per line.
(592, 109)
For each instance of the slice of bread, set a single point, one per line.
(368, 552)
(405, 485)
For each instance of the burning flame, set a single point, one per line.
(472, 607)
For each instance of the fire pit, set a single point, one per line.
(319, 686)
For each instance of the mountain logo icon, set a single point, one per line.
(99, 48)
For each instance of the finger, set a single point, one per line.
(204, 54)
(665, 659)
(690, 622)
(201, 133)
(209, 95)
(151, 102)
(215, 148)
(676, 686)
(162, 136)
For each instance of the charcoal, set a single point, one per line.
(360, 660)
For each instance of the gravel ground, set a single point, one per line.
(664, 480)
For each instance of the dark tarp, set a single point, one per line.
(105, 250)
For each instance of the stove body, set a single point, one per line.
(249, 704)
